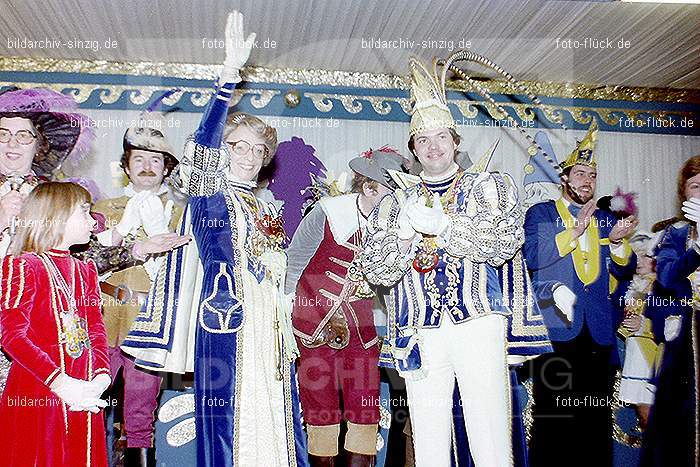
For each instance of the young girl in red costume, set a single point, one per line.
(52, 330)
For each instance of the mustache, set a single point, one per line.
(579, 187)
(574, 193)
(147, 173)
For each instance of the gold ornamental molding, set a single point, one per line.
(313, 77)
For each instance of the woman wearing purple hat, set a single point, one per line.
(39, 130)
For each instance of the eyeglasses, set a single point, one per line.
(22, 136)
(242, 147)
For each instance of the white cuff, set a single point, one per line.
(106, 237)
(618, 250)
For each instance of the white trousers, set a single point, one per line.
(474, 352)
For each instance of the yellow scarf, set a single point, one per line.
(586, 264)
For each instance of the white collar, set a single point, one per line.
(339, 213)
(130, 191)
(440, 178)
(252, 184)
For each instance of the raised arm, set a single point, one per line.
(202, 170)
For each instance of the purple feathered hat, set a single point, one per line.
(69, 134)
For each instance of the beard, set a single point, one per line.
(578, 198)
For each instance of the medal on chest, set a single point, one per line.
(427, 257)
(354, 274)
(268, 233)
(271, 234)
(73, 335)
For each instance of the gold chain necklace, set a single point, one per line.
(426, 257)
(74, 328)
(448, 198)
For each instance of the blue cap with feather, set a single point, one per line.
(537, 168)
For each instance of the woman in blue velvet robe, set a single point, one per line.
(221, 310)
(673, 436)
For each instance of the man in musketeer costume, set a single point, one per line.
(234, 329)
(148, 207)
(460, 300)
(569, 242)
(333, 316)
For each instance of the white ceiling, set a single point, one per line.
(664, 40)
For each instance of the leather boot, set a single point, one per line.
(353, 459)
(140, 457)
(321, 461)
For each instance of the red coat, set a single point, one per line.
(37, 427)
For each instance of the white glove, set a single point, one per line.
(564, 300)
(691, 209)
(99, 385)
(105, 238)
(237, 49)
(131, 220)
(77, 394)
(672, 327)
(428, 221)
(152, 215)
(92, 402)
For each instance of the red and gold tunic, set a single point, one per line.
(33, 420)
(323, 275)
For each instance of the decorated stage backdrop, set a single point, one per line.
(645, 137)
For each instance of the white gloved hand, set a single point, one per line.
(672, 327)
(77, 394)
(428, 220)
(691, 209)
(99, 385)
(131, 220)
(152, 215)
(564, 300)
(92, 402)
(237, 49)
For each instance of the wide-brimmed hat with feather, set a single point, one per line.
(68, 133)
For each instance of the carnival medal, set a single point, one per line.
(355, 275)
(427, 258)
(73, 328)
(75, 336)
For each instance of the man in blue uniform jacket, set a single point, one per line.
(570, 243)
